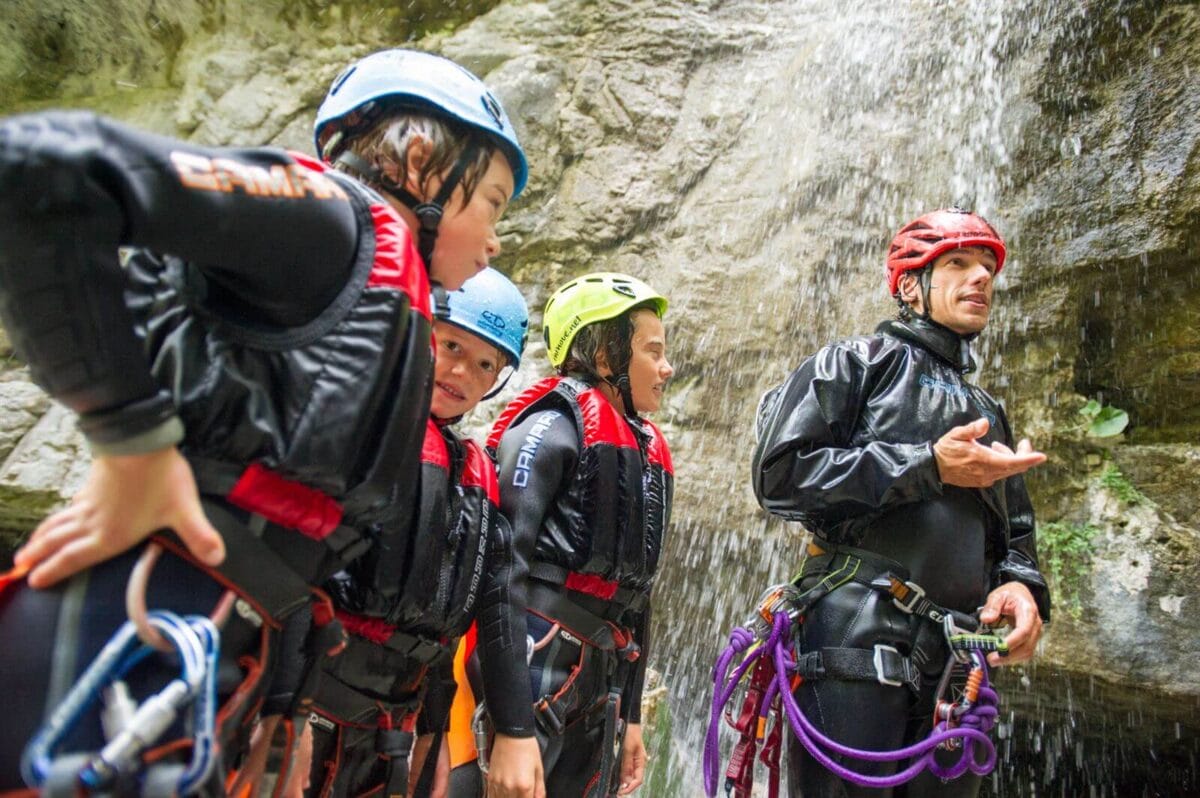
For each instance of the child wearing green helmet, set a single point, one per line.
(254, 376)
(586, 482)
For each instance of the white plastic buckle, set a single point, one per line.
(879, 674)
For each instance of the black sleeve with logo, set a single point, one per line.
(533, 470)
(501, 640)
(74, 187)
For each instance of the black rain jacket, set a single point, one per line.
(846, 448)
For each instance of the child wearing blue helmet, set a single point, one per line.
(396, 672)
(253, 378)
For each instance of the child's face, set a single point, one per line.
(649, 368)
(467, 238)
(465, 370)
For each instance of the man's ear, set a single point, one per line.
(420, 149)
(910, 291)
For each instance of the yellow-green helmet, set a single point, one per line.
(587, 300)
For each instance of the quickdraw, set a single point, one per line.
(132, 729)
(961, 721)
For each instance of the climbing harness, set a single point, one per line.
(962, 717)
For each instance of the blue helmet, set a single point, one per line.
(491, 307)
(422, 82)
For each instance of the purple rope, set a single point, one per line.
(973, 727)
(740, 639)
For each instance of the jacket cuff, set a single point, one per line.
(1013, 571)
(929, 478)
(136, 428)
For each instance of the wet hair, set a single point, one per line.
(613, 337)
(389, 137)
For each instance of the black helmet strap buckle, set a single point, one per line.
(621, 383)
(429, 213)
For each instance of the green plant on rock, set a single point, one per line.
(1118, 484)
(1066, 550)
(1103, 421)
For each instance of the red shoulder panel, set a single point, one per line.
(480, 472)
(397, 264)
(514, 408)
(658, 452)
(307, 161)
(602, 423)
(433, 450)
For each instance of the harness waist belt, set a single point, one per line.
(882, 664)
(374, 631)
(556, 606)
(347, 706)
(250, 565)
(617, 601)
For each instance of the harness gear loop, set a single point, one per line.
(614, 737)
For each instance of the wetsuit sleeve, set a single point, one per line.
(805, 468)
(1020, 562)
(501, 640)
(534, 467)
(74, 187)
(641, 634)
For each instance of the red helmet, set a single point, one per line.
(926, 237)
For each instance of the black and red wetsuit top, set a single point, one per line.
(278, 310)
(459, 567)
(586, 489)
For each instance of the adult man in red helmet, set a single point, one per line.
(907, 472)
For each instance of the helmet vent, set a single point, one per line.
(492, 106)
(341, 79)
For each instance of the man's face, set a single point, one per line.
(960, 290)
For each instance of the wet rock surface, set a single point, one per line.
(751, 160)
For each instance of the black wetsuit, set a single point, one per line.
(272, 320)
(588, 493)
(399, 657)
(846, 448)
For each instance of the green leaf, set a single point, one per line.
(1091, 409)
(1108, 422)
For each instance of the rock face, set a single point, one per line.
(751, 159)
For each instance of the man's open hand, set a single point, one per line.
(963, 461)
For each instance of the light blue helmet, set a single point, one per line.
(422, 82)
(490, 306)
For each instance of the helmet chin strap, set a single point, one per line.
(621, 383)
(429, 214)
